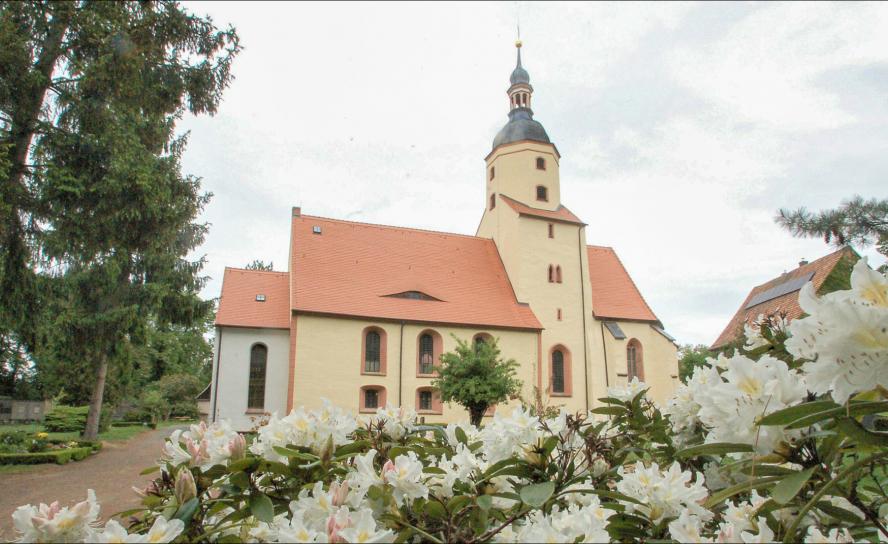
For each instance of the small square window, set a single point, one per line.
(371, 398)
(260, 298)
(316, 229)
(425, 400)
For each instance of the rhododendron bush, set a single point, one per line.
(782, 441)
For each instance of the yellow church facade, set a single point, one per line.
(365, 311)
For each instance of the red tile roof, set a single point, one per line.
(562, 214)
(787, 304)
(238, 306)
(350, 268)
(614, 294)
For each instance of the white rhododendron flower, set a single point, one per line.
(845, 336)
(763, 534)
(473, 434)
(687, 528)
(201, 445)
(405, 477)
(313, 430)
(632, 389)
(834, 536)
(506, 436)
(362, 528)
(663, 494)
(164, 531)
(396, 422)
(745, 392)
(56, 523)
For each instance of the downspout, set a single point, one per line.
(604, 349)
(585, 339)
(401, 364)
(216, 381)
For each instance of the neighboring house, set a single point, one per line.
(780, 296)
(365, 311)
(23, 410)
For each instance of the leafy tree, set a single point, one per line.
(476, 377)
(260, 265)
(691, 357)
(856, 221)
(93, 195)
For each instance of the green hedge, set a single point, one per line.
(67, 419)
(58, 456)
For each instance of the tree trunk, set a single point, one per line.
(476, 413)
(95, 402)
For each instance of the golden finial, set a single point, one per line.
(518, 44)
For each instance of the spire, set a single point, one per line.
(519, 74)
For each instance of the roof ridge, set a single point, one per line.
(251, 270)
(394, 227)
(808, 265)
(590, 246)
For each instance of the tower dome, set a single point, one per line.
(521, 125)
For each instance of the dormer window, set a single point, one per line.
(413, 295)
(542, 193)
(316, 229)
(541, 163)
(260, 298)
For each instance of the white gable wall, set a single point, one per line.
(229, 394)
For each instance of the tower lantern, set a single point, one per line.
(520, 90)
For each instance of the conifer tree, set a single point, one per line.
(856, 221)
(95, 207)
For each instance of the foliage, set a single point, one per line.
(63, 419)
(60, 456)
(260, 265)
(690, 358)
(476, 377)
(855, 221)
(97, 219)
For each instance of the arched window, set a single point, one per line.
(428, 352)
(256, 383)
(551, 274)
(493, 201)
(373, 351)
(371, 398)
(541, 163)
(551, 230)
(481, 338)
(492, 173)
(559, 372)
(542, 193)
(634, 360)
(558, 274)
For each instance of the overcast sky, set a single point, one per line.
(682, 129)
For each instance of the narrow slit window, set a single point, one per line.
(492, 173)
(493, 201)
(551, 230)
(551, 274)
(558, 274)
(557, 371)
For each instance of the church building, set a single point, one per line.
(364, 311)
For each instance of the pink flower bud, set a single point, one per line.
(185, 487)
(237, 447)
(389, 466)
(340, 492)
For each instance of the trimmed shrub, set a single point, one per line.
(56, 456)
(68, 419)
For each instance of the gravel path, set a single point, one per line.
(111, 473)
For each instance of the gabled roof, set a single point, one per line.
(351, 269)
(561, 214)
(238, 306)
(761, 300)
(614, 294)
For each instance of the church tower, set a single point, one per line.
(542, 245)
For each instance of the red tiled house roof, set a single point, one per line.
(786, 304)
(238, 306)
(614, 294)
(352, 269)
(562, 214)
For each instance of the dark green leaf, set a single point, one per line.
(243, 464)
(713, 449)
(536, 495)
(435, 510)
(187, 510)
(788, 415)
(295, 454)
(461, 435)
(485, 502)
(240, 480)
(727, 493)
(839, 513)
(261, 507)
(458, 502)
(787, 488)
(610, 410)
(855, 431)
(149, 470)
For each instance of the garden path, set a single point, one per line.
(111, 473)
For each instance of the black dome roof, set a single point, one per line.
(519, 75)
(521, 126)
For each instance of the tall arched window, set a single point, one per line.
(542, 193)
(634, 360)
(558, 274)
(557, 371)
(256, 383)
(371, 352)
(428, 351)
(541, 163)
